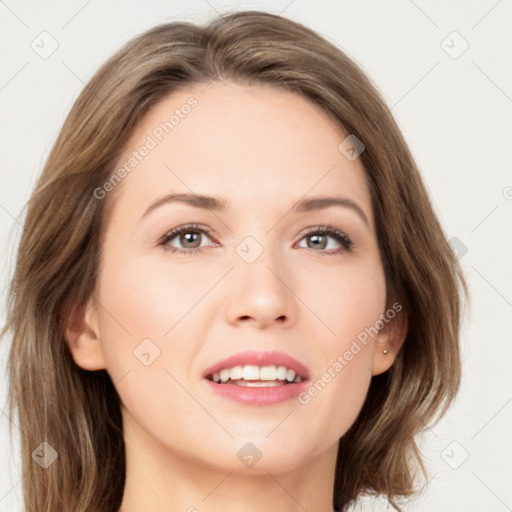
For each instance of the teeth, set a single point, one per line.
(237, 373)
(250, 372)
(266, 375)
(290, 375)
(281, 372)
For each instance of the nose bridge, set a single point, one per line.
(261, 259)
(261, 280)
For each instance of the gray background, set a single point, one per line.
(454, 106)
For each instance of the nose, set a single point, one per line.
(261, 294)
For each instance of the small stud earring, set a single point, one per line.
(385, 351)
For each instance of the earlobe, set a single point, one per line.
(82, 337)
(388, 343)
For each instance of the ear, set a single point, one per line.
(82, 337)
(388, 343)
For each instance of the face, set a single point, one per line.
(183, 287)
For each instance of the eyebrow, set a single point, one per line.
(218, 204)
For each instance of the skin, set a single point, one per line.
(261, 149)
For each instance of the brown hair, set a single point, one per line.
(78, 411)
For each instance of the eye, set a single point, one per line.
(319, 236)
(189, 235)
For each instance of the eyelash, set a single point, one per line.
(338, 235)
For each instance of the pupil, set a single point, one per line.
(316, 237)
(188, 237)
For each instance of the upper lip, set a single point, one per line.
(254, 357)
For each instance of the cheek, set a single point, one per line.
(345, 300)
(143, 319)
(141, 300)
(151, 324)
(349, 302)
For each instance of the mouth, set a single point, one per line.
(256, 376)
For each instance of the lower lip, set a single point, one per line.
(260, 396)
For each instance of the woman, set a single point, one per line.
(232, 291)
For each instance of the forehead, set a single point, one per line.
(252, 145)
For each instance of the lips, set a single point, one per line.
(261, 359)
